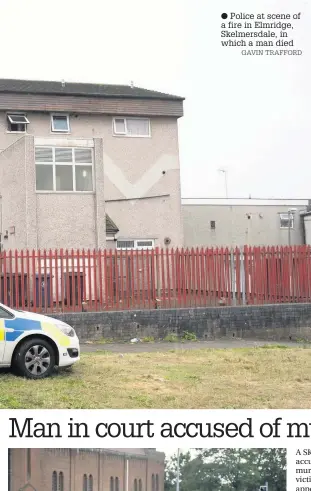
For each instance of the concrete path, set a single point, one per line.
(162, 346)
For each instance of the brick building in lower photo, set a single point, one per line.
(56, 469)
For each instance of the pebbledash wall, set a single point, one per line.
(289, 322)
(136, 181)
(67, 469)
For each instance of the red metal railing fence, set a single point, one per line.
(62, 280)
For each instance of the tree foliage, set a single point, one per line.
(228, 469)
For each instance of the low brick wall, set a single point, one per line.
(268, 322)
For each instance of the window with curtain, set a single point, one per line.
(112, 484)
(84, 482)
(54, 481)
(131, 127)
(90, 487)
(117, 486)
(61, 482)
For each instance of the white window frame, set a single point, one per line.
(53, 130)
(8, 115)
(136, 247)
(286, 216)
(125, 133)
(73, 164)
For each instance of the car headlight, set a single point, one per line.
(67, 330)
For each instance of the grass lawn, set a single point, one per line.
(268, 377)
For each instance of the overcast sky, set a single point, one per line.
(248, 114)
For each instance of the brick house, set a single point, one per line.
(88, 166)
(86, 470)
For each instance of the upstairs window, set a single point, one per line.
(132, 127)
(60, 123)
(17, 123)
(286, 220)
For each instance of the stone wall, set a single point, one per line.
(267, 322)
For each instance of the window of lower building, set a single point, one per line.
(17, 123)
(286, 220)
(117, 485)
(84, 485)
(28, 464)
(153, 482)
(90, 486)
(64, 169)
(140, 485)
(135, 485)
(61, 482)
(54, 481)
(157, 482)
(213, 224)
(135, 244)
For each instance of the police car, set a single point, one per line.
(33, 344)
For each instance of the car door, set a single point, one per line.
(4, 315)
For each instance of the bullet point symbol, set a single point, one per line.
(224, 16)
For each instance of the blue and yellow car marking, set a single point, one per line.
(1, 329)
(55, 333)
(20, 325)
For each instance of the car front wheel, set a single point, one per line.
(34, 359)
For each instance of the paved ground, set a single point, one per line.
(162, 346)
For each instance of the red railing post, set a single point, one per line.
(100, 280)
(57, 283)
(106, 281)
(73, 280)
(51, 280)
(95, 286)
(22, 280)
(149, 286)
(168, 278)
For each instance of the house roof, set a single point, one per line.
(111, 227)
(81, 89)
